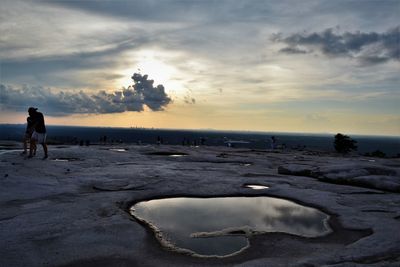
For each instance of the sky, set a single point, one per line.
(317, 66)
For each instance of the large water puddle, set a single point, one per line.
(220, 227)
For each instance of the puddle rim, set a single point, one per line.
(332, 221)
(165, 244)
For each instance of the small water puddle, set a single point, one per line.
(118, 149)
(65, 159)
(168, 153)
(176, 155)
(256, 186)
(220, 227)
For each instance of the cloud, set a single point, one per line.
(61, 103)
(189, 100)
(293, 50)
(316, 118)
(367, 48)
(169, 10)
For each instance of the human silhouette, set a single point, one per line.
(27, 136)
(273, 142)
(39, 131)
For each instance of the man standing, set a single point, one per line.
(39, 131)
(273, 142)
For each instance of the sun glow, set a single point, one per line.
(150, 63)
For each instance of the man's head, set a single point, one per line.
(32, 110)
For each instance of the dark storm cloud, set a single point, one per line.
(62, 103)
(368, 48)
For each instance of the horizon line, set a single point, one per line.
(216, 130)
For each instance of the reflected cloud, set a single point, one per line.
(210, 226)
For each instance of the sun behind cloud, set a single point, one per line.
(151, 63)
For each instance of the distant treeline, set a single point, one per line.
(390, 146)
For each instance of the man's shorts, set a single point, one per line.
(39, 137)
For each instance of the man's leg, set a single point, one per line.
(25, 141)
(45, 150)
(34, 150)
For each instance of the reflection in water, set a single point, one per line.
(118, 149)
(168, 153)
(256, 186)
(65, 159)
(219, 226)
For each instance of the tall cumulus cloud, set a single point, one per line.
(366, 47)
(133, 98)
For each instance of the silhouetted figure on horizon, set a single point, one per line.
(103, 140)
(202, 141)
(27, 136)
(273, 142)
(160, 140)
(39, 132)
